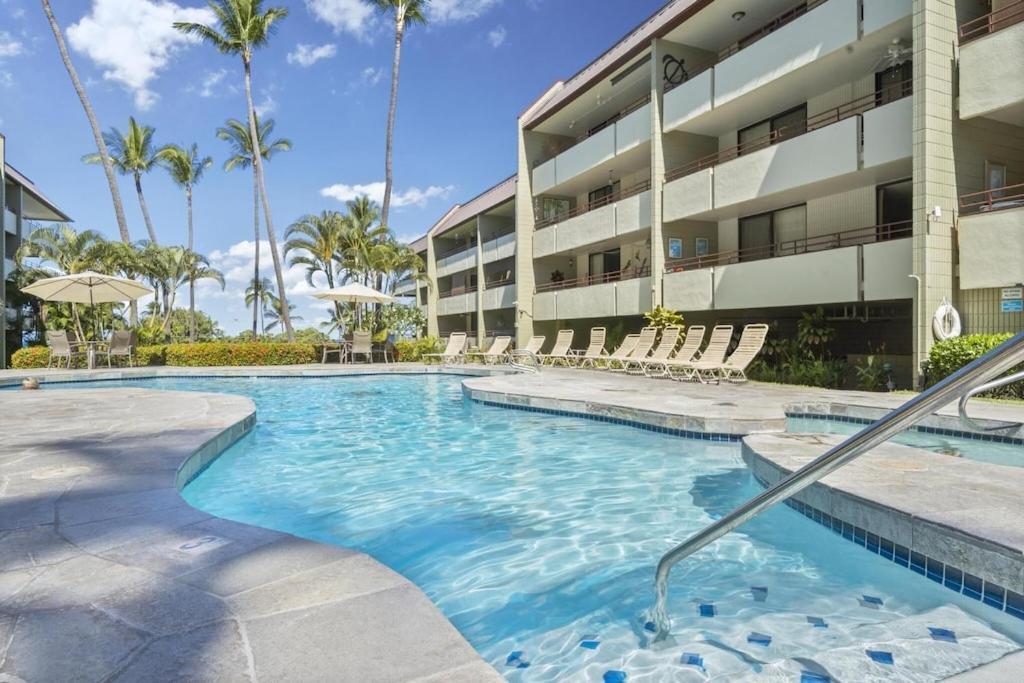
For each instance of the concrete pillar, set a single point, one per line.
(432, 327)
(481, 331)
(658, 50)
(935, 40)
(525, 221)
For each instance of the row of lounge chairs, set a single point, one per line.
(638, 354)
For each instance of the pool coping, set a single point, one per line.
(250, 603)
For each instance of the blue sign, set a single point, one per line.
(1013, 306)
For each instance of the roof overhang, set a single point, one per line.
(35, 205)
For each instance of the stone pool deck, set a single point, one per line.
(107, 574)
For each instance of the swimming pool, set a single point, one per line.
(537, 535)
(992, 452)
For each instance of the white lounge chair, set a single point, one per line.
(561, 352)
(535, 344)
(454, 350)
(596, 350)
(665, 348)
(621, 354)
(684, 355)
(644, 344)
(496, 352)
(711, 357)
(735, 366)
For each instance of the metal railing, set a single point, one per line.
(992, 22)
(828, 117)
(587, 280)
(1008, 197)
(966, 420)
(993, 364)
(456, 291)
(836, 240)
(629, 109)
(455, 250)
(767, 29)
(639, 188)
(499, 282)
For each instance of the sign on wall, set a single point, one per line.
(1009, 293)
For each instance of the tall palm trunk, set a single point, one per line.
(191, 280)
(257, 165)
(256, 261)
(145, 209)
(392, 107)
(101, 146)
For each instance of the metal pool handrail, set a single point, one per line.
(525, 361)
(1004, 357)
(966, 420)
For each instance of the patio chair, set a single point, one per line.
(684, 356)
(122, 345)
(596, 350)
(644, 344)
(734, 368)
(61, 345)
(666, 347)
(561, 351)
(496, 352)
(711, 357)
(535, 344)
(621, 354)
(362, 345)
(454, 350)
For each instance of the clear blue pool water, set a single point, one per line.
(537, 536)
(972, 449)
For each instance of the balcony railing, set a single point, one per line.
(848, 238)
(632, 107)
(992, 22)
(587, 280)
(1009, 197)
(455, 250)
(794, 130)
(456, 291)
(499, 282)
(596, 204)
(767, 29)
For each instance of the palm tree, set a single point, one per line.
(186, 169)
(197, 267)
(170, 268)
(131, 154)
(243, 26)
(124, 260)
(273, 314)
(260, 292)
(101, 147)
(319, 239)
(363, 232)
(405, 12)
(237, 135)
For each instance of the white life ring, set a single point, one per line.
(946, 322)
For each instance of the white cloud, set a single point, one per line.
(413, 196)
(6, 79)
(450, 11)
(265, 106)
(496, 36)
(133, 40)
(9, 47)
(208, 88)
(354, 17)
(308, 55)
(370, 76)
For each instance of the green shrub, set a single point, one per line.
(151, 355)
(946, 357)
(30, 357)
(413, 350)
(252, 353)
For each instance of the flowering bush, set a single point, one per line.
(413, 350)
(195, 355)
(948, 356)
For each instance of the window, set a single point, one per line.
(780, 127)
(894, 203)
(605, 266)
(550, 208)
(995, 177)
(602, 195)
(893, 83)
(776, 233)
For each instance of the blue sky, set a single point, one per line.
(324, 79)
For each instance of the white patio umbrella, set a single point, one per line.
(354, 293)
(87, 288)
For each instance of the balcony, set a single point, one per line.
(991, 54)
(500, 248)
(599, 296)
(816, 39)
(867, 264)
(862, 134)
(991, 237)
(631, 129)
(499, 294)
(406, 288)
(619, 214)
(456, 300)
(10, 222)
(456, 260)
(8, 268)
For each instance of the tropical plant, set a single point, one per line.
(101, 147)
(273, 314)
(661, 317)
(168, 269)
(186, 168)
(873, 373)
(813, 333)
(314, 241)
(405, 13)
(237, 135)
(241, 27)
(402, 320)
(133, 154)
(260, 293)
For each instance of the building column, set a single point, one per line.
(658, 50)
(935, 40)
(525, 221)
(481, 330)
(432, 327)
(3, 256)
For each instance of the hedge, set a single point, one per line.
(413, 350)
(946, 357)
(196, 355)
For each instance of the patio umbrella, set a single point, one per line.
(87, 288)
(354, 293)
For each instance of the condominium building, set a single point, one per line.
(747, 161)
(22, 204)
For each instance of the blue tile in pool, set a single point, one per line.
(1015, 604)
(589, 644)
(901, 555)
(994, 595)
(649, 626)
(872, 600)
(692, 659)
(817, 622)
(515, 659)
(972, 586)
(954, 579)
(812, 677)
(706, 609)
(880, 656)
(872, 542)
(940, 431)
(762, 639)
(933, 570)
(917, 562)
(759, 593)
(943, 634)
(614, 676)
(887, 549)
